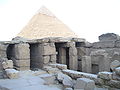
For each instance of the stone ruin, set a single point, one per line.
(77, 60)
(101, 59)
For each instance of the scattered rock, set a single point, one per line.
(49, 78)
(65, 80)
(59, 66)
(68, 89)
(3, 88)
(114, 64)
(105, 75)
(12, 73)
(8, 64)
(85, 84)
(117, 71)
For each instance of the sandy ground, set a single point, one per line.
(27, 81)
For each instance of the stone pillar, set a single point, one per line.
(73, 62)
(86, 64)
(22, 56)
(3, 49)
(104, 63)
(62, 55)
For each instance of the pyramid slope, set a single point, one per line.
(44, 24)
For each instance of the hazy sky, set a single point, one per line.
(87, 18)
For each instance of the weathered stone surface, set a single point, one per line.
(53, 58)
(113, 83)
(98, 52)
(114, 64)
(12, 73)
(116, 77)
(73, 62)
(46, 59)
(117, 70)
(49, 78)
(23, 68)
(86, 64)
(76, 74)
(109, 37)
(65, 80)
(105, 75)
(84, 83)
(117, 43)
(22, 51)
(8, 64)
(104, 44)
(20, 63)
(59, 66)
(3, 88)
(48, 49)
(68, 89)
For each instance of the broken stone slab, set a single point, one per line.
(113, 83)
(68, 89)
(49, 78)
(85, 84)
(105, 75)
(8, 64)
(65, 80)
(12, 73)
(114, 64)
(75, 74)
(117, 71)
(51, 70)
(59, 66)
(109, 37)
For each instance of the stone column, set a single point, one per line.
(86, 64)
(73, 62)
(62, 55)
(104, 63)
(22, 56)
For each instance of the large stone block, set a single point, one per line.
(23, 68)
(114, 64)
(86, 64)
(22, 51)
(53, 58)
(12, 73)
(3, 53)
(73, 62)
(47, 49)
(105, 44)
(117, 71)
(85, 84)
(8, 64)
(105, 75)
(21, 63)
(109, 37)
(46, 59)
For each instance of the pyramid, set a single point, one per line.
(45, 24)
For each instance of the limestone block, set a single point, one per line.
(116, 77)
(21, 63)
(53, 58)
(84, 83)
(48, 49)
(98, 52)
(12, 73)
(109, 37)
(23, 68)
(3, 54)
(49, 78)
(73, 62)
(46, 59)
(59, 66)
(117, 43)
(68, 89)
(3, 47)
(105, 44)
(105, 75)
(8, 64)
(117, 71)
(65, 79)
(86, 64)
(113, 83)
(114, 64)
(22, 51)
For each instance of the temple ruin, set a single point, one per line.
(45, 41)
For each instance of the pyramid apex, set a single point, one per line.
(44, 10)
